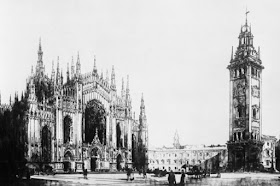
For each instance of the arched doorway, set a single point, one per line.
(119, 160)
(95, 155)
(68, 157)
(95, 120)
(67, 129)
(46, 144)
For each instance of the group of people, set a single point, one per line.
(172, 179)
(130, 174)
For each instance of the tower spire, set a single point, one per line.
(176, 140)
(247, 12)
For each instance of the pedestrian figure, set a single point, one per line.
(128, 174)
(171, 178)
(144, 174)
(182, 181)
(85, 173)
(131, 175)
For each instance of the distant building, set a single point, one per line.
(187, 156)
(268, 153)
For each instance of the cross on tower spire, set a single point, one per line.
(247, 12)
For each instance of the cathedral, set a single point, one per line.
(245, 143)
(81, 122)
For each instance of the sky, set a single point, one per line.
(175, 53)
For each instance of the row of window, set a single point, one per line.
(241, 112)
(174, 161)
(242, 71)
(182, 154)
(237, 136)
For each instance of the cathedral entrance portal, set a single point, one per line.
(119, 160)
(95, 156)
(68, 157)
(95, 120)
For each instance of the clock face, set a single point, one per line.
(239, 87)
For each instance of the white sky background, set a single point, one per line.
(175, 52)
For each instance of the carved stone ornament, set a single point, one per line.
(239, 123)
(255, 91)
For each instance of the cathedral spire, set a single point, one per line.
(40, 50)
(123, 94)
(94, 65)
(72, 68)
(231, 53)
(113, 81)
(68, 73)
(32, 72)
(127, 85)
(40, 66)
(107, 76)
(61, 77)
(78, 65)
(57, 72)
(142, 107)
(53, 72)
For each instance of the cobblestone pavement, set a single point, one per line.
(227, 179)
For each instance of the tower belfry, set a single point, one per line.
(245, 121)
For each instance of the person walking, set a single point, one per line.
(85, 173)
(182, 180)
(171, 178)
(144, 174)
(128, 173)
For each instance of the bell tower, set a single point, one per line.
(245, 121)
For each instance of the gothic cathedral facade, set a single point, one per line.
(245, 122)
(82, 122)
